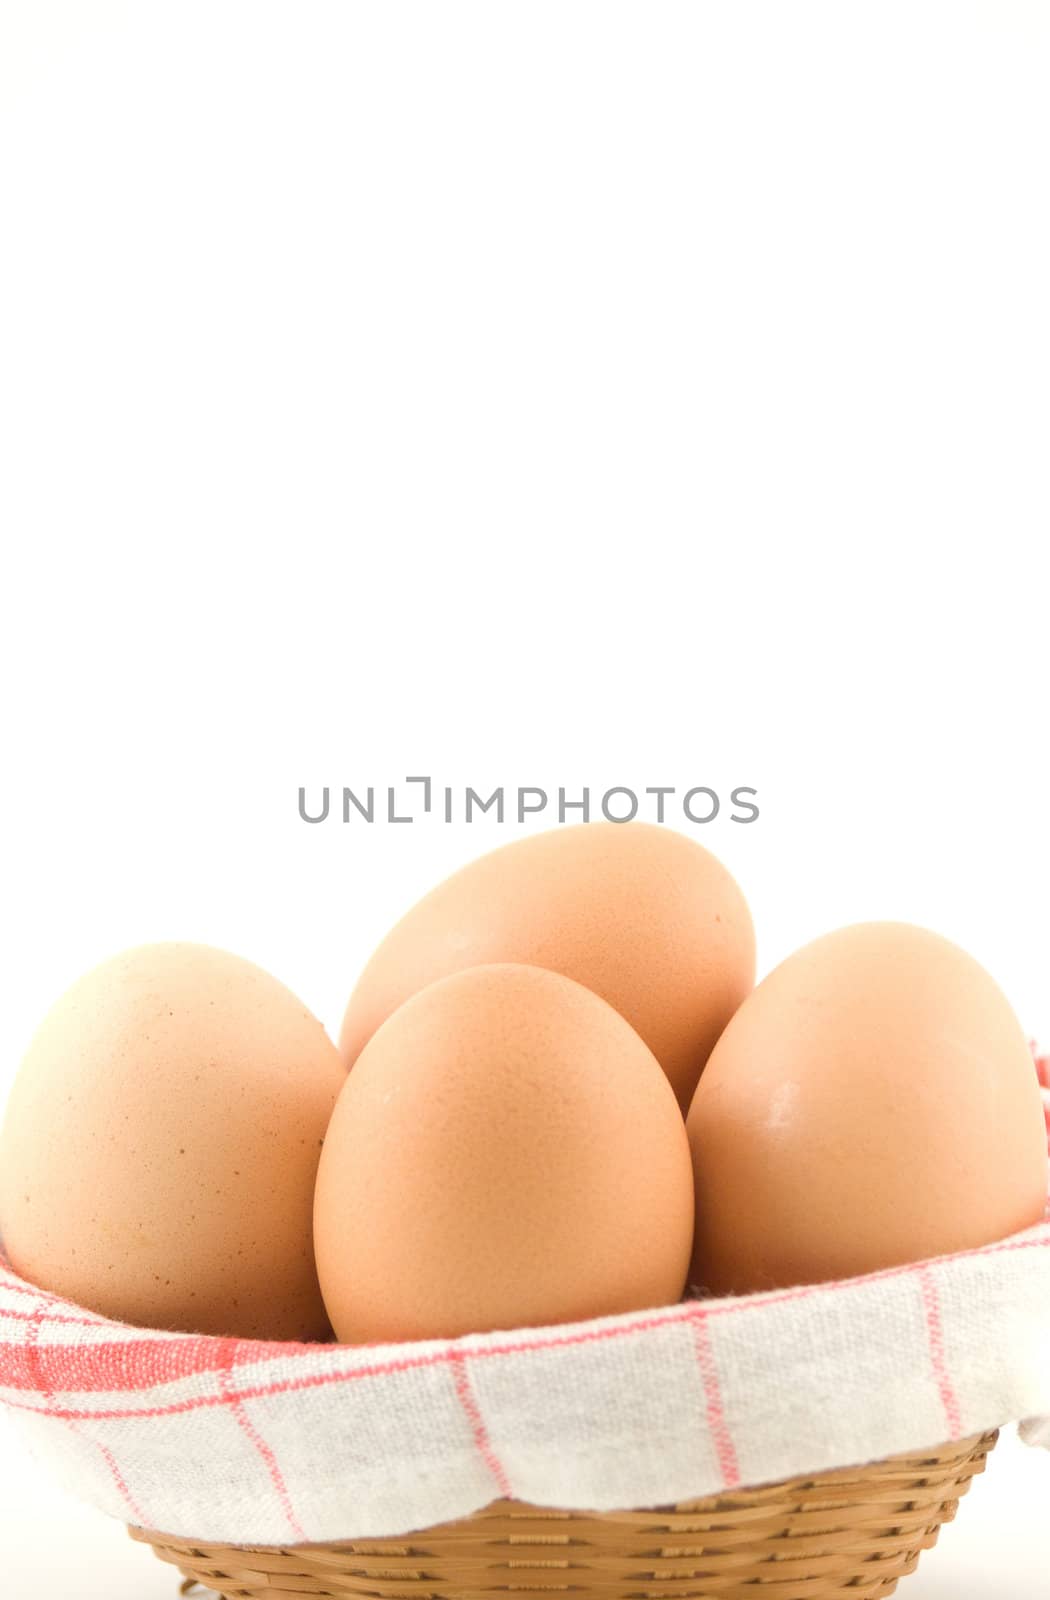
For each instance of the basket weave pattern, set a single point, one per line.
(843, 1535)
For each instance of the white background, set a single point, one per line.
(550, 394)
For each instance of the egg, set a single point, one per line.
(161, 1142)
(644, 916)
(871, 1103)
(505, 1153)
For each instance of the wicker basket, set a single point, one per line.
(851, 1533)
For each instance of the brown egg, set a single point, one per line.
(160, 1147)
(645, 917)
(872, 1103)
(505, 1153)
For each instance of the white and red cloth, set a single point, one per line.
(243, 1442)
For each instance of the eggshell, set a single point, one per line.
(505, 1153)
(872, 1103)
(161, 1142)
(645, 917)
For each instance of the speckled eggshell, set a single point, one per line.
(872, 1103)
(160, 1146)
(644, 916)
(505, 1153)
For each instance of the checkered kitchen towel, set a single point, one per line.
(243, 1442)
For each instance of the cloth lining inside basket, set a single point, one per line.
(247, 1442)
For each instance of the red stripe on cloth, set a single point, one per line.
(721, 1434)
(675, 1315)
(122, 1488)
(468, 1400)
(381, 1369)
(32, 1353)
(931, 1305)
(106, 1367)
(256, 1439)
(33, 1347)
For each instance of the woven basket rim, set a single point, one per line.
(836, 1535)
(889, 1466)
